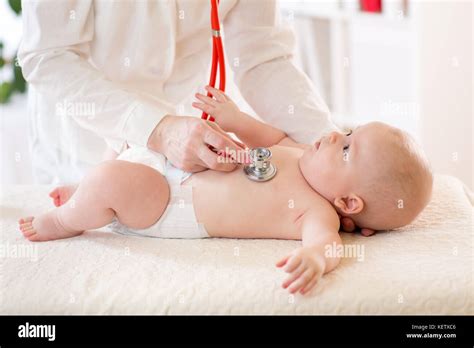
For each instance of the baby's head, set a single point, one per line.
(376, 175)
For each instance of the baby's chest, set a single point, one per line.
(280, 198)
(276, 214)
(275, 204)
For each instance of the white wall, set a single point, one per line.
(444, 34)
(15, 162)
(383, 72)
(15, 159)
(412, 71)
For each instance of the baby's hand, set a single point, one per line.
(222, 108)
(305, 267)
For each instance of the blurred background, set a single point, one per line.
(404, 62)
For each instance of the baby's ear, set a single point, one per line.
(351, 204)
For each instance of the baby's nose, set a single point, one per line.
(333, 137)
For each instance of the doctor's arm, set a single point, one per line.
(57, 66)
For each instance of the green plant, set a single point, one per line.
(18, 83)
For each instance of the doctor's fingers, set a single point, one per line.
(188, 166)
(217, 128)
(185, 160)
(242, 154)
(220, 140)
(214, 161)
(191, 166)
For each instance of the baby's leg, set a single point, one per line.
(61, 194)
(135, 193)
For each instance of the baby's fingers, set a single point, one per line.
(217, 93)
(293, 276)
(292, 264)
(204, 107)
(302, 281)
(310, 285)
(366, 232)
(205, 99)
(282, 261)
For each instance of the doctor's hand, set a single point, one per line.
(347, 225)
(185, 141)
(222, 108)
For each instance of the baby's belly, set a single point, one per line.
(230, 205)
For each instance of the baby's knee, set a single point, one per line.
(108, 180)
(106, 172)
(117, 179)
(137, 193)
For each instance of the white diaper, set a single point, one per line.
(179, 219)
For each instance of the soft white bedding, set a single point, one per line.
(425, 268)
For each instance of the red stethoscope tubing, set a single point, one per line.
(217, 55)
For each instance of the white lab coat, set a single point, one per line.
(110, 70)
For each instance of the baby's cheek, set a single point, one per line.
(325, 173)
(319, 170)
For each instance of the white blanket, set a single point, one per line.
(425, 268)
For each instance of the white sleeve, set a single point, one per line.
(259, 50)
(54, 56)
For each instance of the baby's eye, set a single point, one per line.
(345, 153)
(345, 149)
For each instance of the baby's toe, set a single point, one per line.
(26, 223)
(54, 193)
(32, 236)
(26, 227)
(26, 219)
(29, 233)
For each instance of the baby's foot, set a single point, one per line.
(45, 227)
(61, 194)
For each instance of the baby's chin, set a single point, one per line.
(304, 163)
(307, 170)
(307, 156)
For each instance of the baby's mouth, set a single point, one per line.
(317, 144)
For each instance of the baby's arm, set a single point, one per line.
(251, 131)
(307, 264)
(287, 141)
(255, 133)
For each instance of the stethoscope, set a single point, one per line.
(217, 54)
(260, 169)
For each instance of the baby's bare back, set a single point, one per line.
(230, 205)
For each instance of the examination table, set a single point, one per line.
(424, 268)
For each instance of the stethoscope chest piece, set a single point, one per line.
(260, 169)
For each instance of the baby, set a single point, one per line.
(375, 175)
